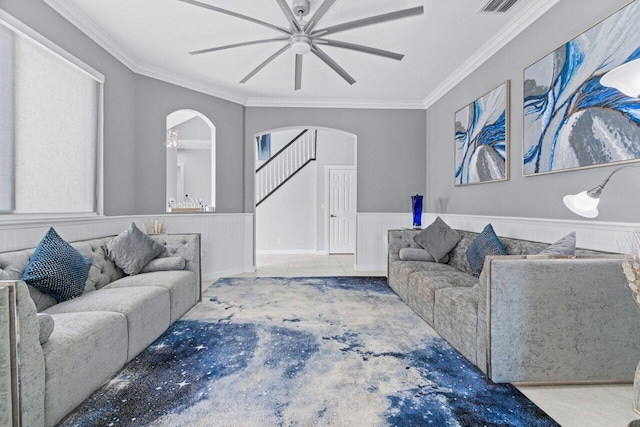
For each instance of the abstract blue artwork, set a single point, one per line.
(572, 121)
(482, 139)
(264, 146)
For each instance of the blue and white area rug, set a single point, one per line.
(302, 352)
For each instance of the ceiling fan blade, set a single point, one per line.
(315, 19)
(237, 15)
(333, 64)
(264, 64)
(229, 46)
(360, 48)
(369, 21)
(299, 59)
(295, 27)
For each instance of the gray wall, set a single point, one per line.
(134, 122)
(154, 101)
(537, 196)
(390, 146)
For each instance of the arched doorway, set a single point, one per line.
(191, 161)
(299, 218)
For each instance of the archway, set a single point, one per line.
(191, 161)
(297, 218)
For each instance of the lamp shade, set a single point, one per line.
(582, 204)
(625, 78)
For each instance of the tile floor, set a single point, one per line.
(570, 406)
(307, 265)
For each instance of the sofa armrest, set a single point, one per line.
(399, 239)
(557, 319)
(9, 393)
(186, 246)
(24, 358)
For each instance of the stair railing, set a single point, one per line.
(283, 165)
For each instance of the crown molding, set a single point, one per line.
(187, 83)
(517, 25)
(335, 103)
(81, 21)
(77, 18)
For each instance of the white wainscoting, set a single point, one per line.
(226, 239)
(371, 252)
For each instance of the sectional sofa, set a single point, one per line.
(94, 335)
(528, 318)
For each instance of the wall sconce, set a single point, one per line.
(586, 203)
(625, 78)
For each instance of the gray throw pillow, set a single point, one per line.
(132, 249)
(415, 254)
(438, 239)
(164, 264)
(46, 326)
(564, 246)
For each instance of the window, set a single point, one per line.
(50, 127)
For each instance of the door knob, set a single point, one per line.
(333, 216)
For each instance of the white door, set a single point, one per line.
(342, 210)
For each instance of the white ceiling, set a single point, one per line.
(153, 37)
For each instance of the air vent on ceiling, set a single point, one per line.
(498, 6)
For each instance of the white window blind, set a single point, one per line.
(49, 130)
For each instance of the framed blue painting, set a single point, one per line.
(482, 139)
(264, 146)
(571, 120)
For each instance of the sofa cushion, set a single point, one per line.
(83, 352)
(438, 239)
(400, 271)
(181, 285)
(416, 254)
(57, 269)
(47, 324)
(164, 264)
(487, 243)
(564, 246)
(147, 309)
(455, 318)
(422, 287)
(132, 249)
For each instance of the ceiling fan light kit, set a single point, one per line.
(302, 37)
(300, 44)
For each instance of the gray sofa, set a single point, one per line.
(528, 318)
(94, 335)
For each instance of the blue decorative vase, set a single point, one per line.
(416, 205)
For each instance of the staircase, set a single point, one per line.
(283, 165)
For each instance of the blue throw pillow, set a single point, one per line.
(487, 243)
(57, 269)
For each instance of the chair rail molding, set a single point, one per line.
(371, 251)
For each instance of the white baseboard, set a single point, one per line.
(382, 267)
(289, 252)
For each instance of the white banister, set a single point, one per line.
(284, 164)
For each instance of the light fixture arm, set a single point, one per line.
(596, 191)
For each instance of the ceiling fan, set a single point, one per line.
(302, 37)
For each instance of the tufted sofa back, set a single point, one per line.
(103, 271)
(458, 255)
